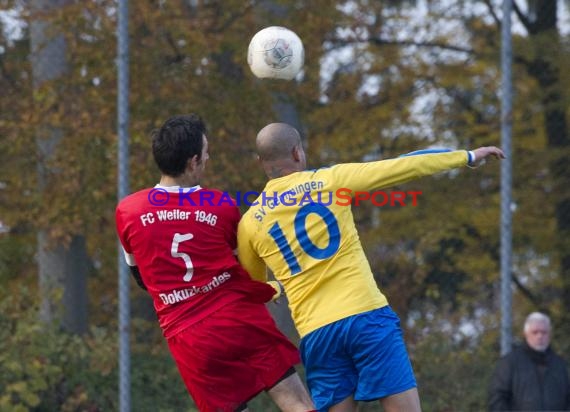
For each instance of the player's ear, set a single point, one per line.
(296, 153)
(192, 163)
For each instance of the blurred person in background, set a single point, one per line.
(532, 377)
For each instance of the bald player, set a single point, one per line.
(299, 227)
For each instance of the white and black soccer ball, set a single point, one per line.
(276, 52)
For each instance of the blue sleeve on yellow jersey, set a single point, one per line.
(470, 154)
(425, 151)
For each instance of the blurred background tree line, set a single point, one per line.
(381, 78)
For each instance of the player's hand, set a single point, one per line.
(487, 151)
(279, 289)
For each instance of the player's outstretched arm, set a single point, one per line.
(387, 173)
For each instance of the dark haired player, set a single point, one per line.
(181, 249)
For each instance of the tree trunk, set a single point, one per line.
(62, 268)
(545, 68)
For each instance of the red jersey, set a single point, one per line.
(183, 241)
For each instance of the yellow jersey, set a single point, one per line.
(301, 227)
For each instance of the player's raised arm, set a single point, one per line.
(386, 173)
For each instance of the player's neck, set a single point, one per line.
(181, 181)
(280, 168)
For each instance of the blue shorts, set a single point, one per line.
(363, 355)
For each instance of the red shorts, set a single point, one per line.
(232, 355)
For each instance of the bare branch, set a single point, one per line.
(423, 44)
(525, 291)
(234, 17)
(6, 75)
(492, 11)
(524, 19)
(178, 57)
(384, 42)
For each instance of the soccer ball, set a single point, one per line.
(275, 52)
